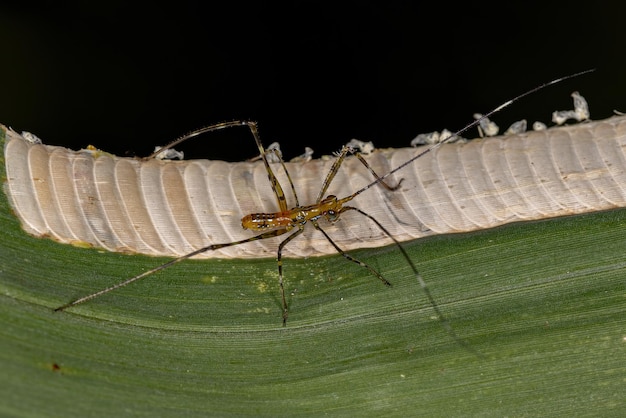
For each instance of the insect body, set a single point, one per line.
(284, 221)
(294, 220)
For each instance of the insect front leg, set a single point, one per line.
(378, 178)
(335, 168)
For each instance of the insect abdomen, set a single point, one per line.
(265, 221)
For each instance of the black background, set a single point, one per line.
(127, 77)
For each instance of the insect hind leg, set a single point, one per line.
(252, 126)
(216, 127)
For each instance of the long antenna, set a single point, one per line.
(471, 125)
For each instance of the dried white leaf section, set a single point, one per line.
(174, 207)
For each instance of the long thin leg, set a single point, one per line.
(350, 258)
(279, 260)
(335, 168)
(420, 280)
(278, 190)
(331, 174)
(269, 234)
(197, 132)
(380, 180)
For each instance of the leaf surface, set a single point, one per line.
(543, 302)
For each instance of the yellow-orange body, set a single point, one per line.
(330, 207)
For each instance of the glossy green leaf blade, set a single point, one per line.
(544, 303)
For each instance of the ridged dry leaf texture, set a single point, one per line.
(174, 207)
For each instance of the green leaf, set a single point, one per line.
(544, 303)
